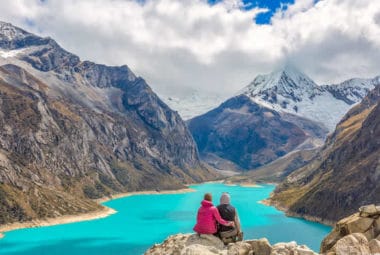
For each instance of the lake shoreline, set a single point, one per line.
(103, 213)
(65, 219)
(269, 202)
(147, 192)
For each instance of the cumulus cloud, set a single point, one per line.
(176, 45)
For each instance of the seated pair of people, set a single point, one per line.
(222, 220)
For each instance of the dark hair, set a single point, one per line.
(208, 197)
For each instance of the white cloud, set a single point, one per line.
(178, 44)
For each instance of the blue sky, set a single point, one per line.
(271, 5)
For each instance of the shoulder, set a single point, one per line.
(213, 208)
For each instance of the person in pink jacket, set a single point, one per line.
(207, 217)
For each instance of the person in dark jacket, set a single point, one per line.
(229, 213)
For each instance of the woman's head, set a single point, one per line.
(208, 197)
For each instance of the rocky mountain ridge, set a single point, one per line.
(74, 130)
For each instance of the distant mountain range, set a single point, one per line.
(275, 114)
(291, 91)
(73, 130)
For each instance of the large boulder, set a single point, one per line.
(239, 248)
(291, 248)
(355, 243)
(260, 246)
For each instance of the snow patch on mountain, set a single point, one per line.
(9, 53)
(192, 104)
(10, 32)
(290, 91)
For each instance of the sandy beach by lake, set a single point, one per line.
(56, 221)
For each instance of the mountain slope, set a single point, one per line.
(345, 175)
(277, 170)
(245, 133)
(73, 130)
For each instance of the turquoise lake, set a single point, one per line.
(143, 220)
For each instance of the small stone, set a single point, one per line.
(304, 251)
(261, 246)
(368, 210)
(374, 246)
(239, 248)
(377, 226)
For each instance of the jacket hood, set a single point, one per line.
(206, 203)
(225, 199)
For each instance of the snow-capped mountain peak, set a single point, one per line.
(289, 90)
(9, 32)
(288, 82)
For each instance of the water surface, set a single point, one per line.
(143, 220)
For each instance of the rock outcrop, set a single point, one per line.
(194, 244)
(356, 234)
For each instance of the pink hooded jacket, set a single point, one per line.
(207, 216)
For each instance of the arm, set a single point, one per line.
(219, 219)
(237, 222)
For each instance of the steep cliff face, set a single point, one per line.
(345, 174)
(76, 127)
(245, 133)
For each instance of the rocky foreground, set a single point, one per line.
(357, 234)
(194, 244)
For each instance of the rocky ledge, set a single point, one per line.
(357, 234)
(194, 244)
